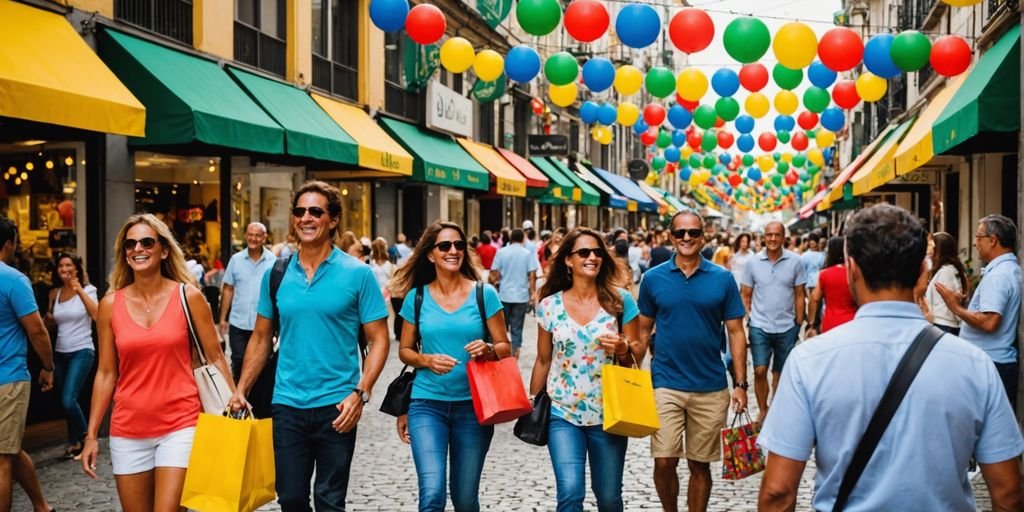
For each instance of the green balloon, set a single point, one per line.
(658, 162)
(783, 167)
(709, 161)
(776, 179)
(799, 160)
(814, 169)
(705, 116)
(817, 99)
(783, 136)
(910, 50)
(660, 82)
(748, 160)
(561, 68)
(717, 169)
(538, 17)
(787, 78)
(727, 108)
(696, 161)
(776, 156)
(804, 176)
(664, 139)
(709, 141)
(746, 39)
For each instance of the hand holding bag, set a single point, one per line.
(214, 392)
(628, 400)
(399, 394)
(741, 456)
(533, 428)
(496, 386)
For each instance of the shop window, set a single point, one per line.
(487, 123)
(336, 46)
(356, 214)
(171, 18)
(260, 29)
(261, 193)
(397, 100)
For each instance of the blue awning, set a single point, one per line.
(629, 189)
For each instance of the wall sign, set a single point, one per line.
(917, 178)
(448, 110)
(549, 145)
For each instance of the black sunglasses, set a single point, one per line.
(587, 251)
(300, 212)
(460, 245)
(130, 243)
(678, 234)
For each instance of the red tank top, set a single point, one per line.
(156, 392)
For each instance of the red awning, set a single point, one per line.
(534, 178)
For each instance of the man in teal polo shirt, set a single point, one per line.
(324, 299)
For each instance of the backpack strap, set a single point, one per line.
(276, 276)
(483, 311)
(417, 306)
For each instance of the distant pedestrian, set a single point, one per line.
(662, 249)
(402, 249)
(486, 251)
(241, 292)
(383, 269)
(515, 269)
(531, 237)
(834, 290)
(742, 251)
(949, 271)
(723, 255)
(813, 259)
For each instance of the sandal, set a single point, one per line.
(73, 451)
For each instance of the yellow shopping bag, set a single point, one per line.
(629, 408)
(231, 467)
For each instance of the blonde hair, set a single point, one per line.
(379, 248)
(347, 240)
(173, 267)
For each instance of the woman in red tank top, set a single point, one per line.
(834, 290)
(145, 366)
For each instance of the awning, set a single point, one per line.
(49, 75)
(628, 188)
(308, 130)
(507, 180)
(590, 196)
(881, 167)
(659, 197)
(188, 99)
(807, 209)
(836, 187)
(988, 101)
(616, 199)
(439, 159)
(536, 181)
(916, 148)
(563, 188)
(377, 150)
(674, 201)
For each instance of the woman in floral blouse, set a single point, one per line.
(581, 303)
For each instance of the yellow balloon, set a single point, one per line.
(962, 3)
(488, 65)
(628, 80)
(695, 179)
(652, 179)
(765, 163)
(757, 105)
(562, 95)
(685, 152)
(787, 157)
(814, 156)
(457, 55)
(824, 138)
(691, 84)
(871, 87)
(628, 114)
(786, 102)
(795, 45)
(606, 137)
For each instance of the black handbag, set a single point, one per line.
(399, 394)
(533, 428)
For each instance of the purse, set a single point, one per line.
(533, 428)
(399, 394)
(214, 392)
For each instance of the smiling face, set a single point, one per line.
(140, 258)
(450, 260)
(66, 269)
(586, 257)
(774, 234)
(255, 236)
(310, 228)
(687, 246)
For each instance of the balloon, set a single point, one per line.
(648, 138)
(799, 160)
(658, 163)
(795, 45)
(488, 65)
(787, 78)
(654, 114)
(660, 82)
(782, 167)
(765, 162)
(815, 157)
(870, 87)
(705, 116)
(538, 17)
(640, 126)
(425, 24)
(598, 73)
(586, 20)
(679, 117)
(606, 114)
(727, 108)
(753, 77)
(627, 114)
(746, 39)
(766, 141)
(799, 141)
(389, 15)
(709, 141)
(588, 112)
(693, 141)
(757, 104)
(691, 30)
(784, 123)
(561, 68)
(824, 138)
(725, 140)
(678, 138)
(792, 178)
(962, 3)
(522, 64)
(816, 99)
(950, 55)
(820, 75)
(638, 25)
(747, 160)
(910, 50)
(776, 178)
(878, 58)
(725, 159)
(833, 119)
(807, 120)
(605, 137)
(628, 80)
(684, 173)
(841, 49)
(691, 84)
(786, 102)
(685, 103)
(844, 93)
(708, 161)
(725, 82)
(672, 154)
(457, 55)
(744, 124)
(537, 105)
(735, 179)
(562, 95)
(754, 174)
(664, 139)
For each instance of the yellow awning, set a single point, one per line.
(881, 168)
(49, 75)
(825, 203)
(507, 180)
(377, 150)
(916, 148)
(663, 206)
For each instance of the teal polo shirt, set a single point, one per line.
(16, 301)
(318, 358)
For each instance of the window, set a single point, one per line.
(397, 100)
(260, 30)
(335, 36)
(487, 123)
(171, 18)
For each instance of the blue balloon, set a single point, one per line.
(678, 138)
(786, 123)
(684, 173)
(672, 154)
(754, 174)
(820, 75)
(598, 74)
(744, 124)
(638, 25)
(827, 154)
(725, 82)
(389, 15)
(745, 142)
(589, 111)
(640, 127)
(877, 56)
(679, 117)
(725, 158)
(833, 119)
(521, 64)
(606, 114)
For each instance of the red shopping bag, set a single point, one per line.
(497, 389)
(741, 457)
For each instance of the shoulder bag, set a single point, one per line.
(399, 394)
(214, 392)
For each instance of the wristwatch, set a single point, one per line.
(363, 395)
(743, 385)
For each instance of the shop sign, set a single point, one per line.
(637, 169)
(486, 92)
(448, 110)
(419, 63)
(549, 145)
(917, 178)
(494, 11)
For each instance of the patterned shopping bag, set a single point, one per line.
(741, 456)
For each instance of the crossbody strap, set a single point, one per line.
(483, 311)
(417, 306)
(900, 382)
(191, 328)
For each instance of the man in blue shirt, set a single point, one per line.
(990, 320)
(241, 291)
(324, 299)
(687, 299)
(832, 386)
(515, 268)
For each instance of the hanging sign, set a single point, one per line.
(486, 92)
(419, 63)
(548, 145)
(448, 110)
(494, 11)
(637, 169)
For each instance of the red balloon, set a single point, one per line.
(754, 76)
(767, 141)
(792, 177)
(799, 141)
(537, 105)
(725, 139)
(688, 105)
(807, 120)
(719, 122)
(735, 180)
(648, 138)
(425, 24)
(586, 20)
(654, 114)
(950, 55)
(844, 93)
(670, 168)
(694, 139)
(841, 49)
(691, 30)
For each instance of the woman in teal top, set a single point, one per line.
(441, 419)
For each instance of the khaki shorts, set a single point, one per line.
(13, 411)
(701, 416)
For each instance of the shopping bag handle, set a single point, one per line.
(242, 414)
(735, 417)
(634, 366)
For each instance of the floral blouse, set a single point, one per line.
(574, 381)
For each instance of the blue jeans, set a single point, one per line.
(70, 371)
(1008, 373)
(515, 315)
(765, 345)
(569, 446)
(437, 428)
(238, 339)
(304, 438)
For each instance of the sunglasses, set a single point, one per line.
(460, 245)
(146, 243)
(300, 212)
(678, 234)
(587, 251)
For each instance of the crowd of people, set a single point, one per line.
(306, 325)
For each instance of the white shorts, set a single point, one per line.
(130, 456)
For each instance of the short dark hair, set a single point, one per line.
(8, 231)
(76, 260)
(330, 193)
(1002, 228)
(517, 236)
(531, 234)
(485, 237)
(888, 244)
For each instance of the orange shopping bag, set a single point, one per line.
(497, 389)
